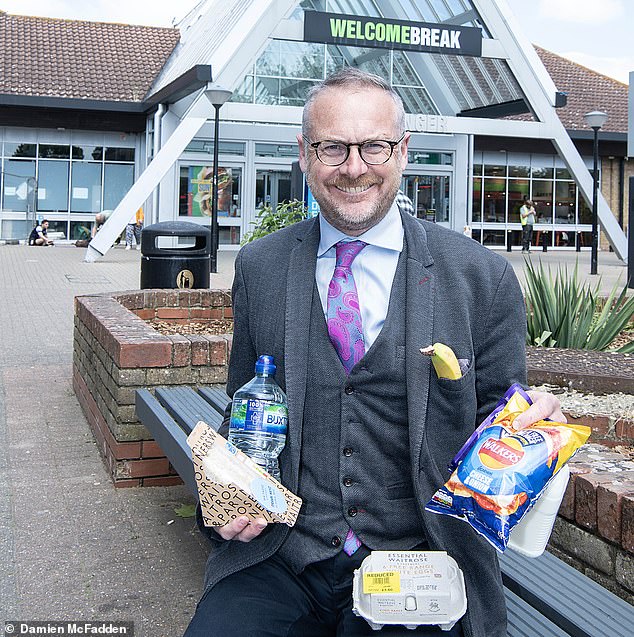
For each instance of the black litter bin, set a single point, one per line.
(175, 254)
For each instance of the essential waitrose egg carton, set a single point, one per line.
(409, 588)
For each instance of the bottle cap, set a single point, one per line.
(265, 365)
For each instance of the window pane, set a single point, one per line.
(19, 185)
(119, 154)
(19, 150)
(519, 171)
(52, 186)
(543, 198)
(293, 92)
(276, 150)
(585, 211)
(542, 172)
(195, 193)
(88, 152)
(118, 179)
(54, 151)
(493, 237)
(80, 230)
(244, 93)
(57, 226)
(477, 199)
(229, 235)
(518, 190)
(562, 173)
(85, 187)
(565, 195)
(494, 170)
(494, 200)
(302, 60)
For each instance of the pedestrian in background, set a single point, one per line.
(133, 230)
(527, 219)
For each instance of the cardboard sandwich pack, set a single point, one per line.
(230, 484)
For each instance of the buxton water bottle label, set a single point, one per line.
(259, 415)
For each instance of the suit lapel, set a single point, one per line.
(299, 296)
(419, 320)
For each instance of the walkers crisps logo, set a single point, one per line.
(365, 31)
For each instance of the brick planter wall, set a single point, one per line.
(595, 528)
(116, 352)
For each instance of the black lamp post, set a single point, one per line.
(595, 120)
(217, 95)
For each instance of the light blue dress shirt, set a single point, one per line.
(373, 268)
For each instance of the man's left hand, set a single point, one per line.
(544, 406)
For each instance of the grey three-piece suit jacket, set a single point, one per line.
(458, 293)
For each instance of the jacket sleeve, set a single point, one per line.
(501, 347)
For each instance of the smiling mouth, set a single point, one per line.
(353, 190)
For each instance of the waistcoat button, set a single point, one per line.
(349, 390)
(352, 511)
(347, 482)
(336, 541)
(347, 451)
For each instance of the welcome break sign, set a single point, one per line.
(364, 31)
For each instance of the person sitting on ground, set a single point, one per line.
(38, 236)
(133, 229)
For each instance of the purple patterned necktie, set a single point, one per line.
(343, 315)
(345, 328)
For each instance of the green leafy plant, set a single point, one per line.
(269, 220)
(562, 312)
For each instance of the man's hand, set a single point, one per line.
(241, 529)
(544, 406)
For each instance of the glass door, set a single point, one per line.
(431, 195)
(272, 186)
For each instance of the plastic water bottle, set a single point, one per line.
(259, 417)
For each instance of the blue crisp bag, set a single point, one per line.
(500, 472)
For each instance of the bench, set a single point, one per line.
(544, 596)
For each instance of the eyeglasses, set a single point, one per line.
(373, 152)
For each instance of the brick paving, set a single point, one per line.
(74, 547)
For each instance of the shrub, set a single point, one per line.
(562, 312)
(269, 220)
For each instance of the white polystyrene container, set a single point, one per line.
(409, 588)
(530, 536)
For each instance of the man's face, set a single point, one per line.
(354, 196)
(45, 225)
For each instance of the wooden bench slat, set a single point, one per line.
(525, 621)
(574, 602)
(169, 436)
(187, 407)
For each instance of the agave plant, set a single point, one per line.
(562, 312)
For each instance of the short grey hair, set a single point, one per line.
(350, 77)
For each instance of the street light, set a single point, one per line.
(595, 120)
(217, 96)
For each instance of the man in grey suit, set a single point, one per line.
(344, 302)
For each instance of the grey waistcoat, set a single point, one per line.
(355, 469)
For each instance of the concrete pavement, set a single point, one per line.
(72, 546)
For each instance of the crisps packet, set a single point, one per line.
(500, 472)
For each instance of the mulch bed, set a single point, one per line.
(211, 326)
(583, 370)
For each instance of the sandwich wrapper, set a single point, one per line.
(230, 484)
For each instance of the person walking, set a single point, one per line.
(344, 302)
(133, 230)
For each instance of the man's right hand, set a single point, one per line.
(241, 529)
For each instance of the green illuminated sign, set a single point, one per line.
(365, 31)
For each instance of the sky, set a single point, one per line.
(598, 34)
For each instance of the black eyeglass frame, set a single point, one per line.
(392, 145)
